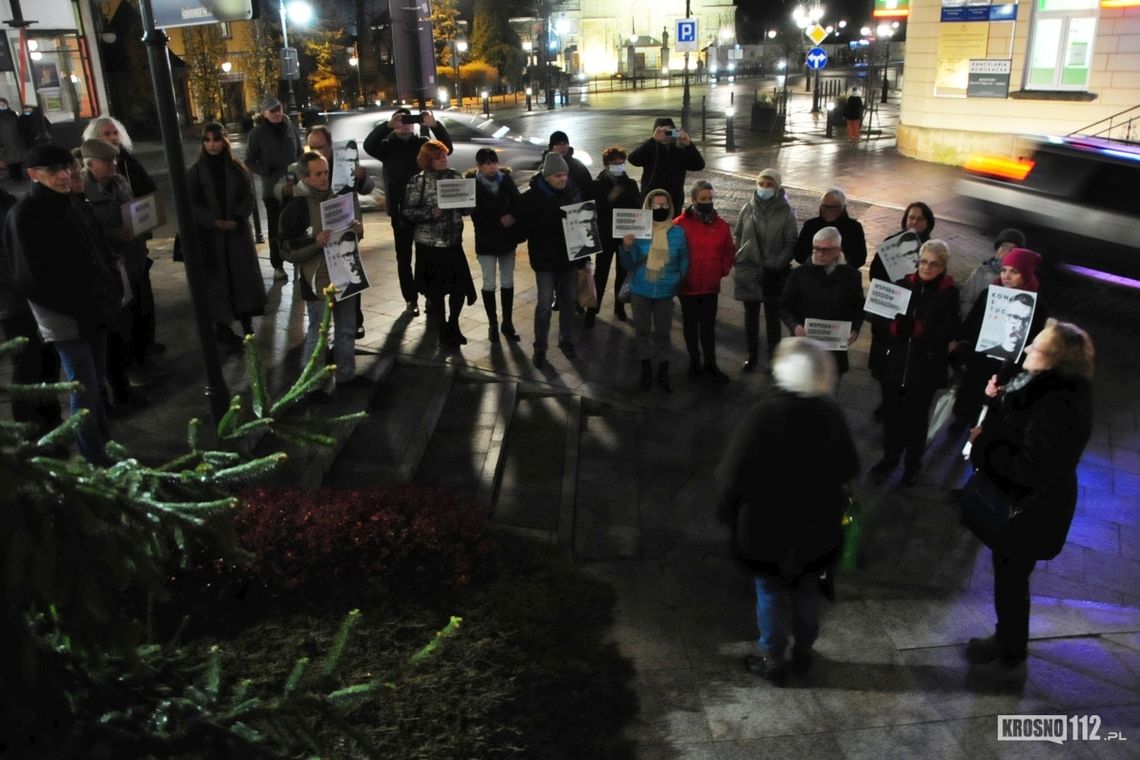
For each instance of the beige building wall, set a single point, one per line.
(947, 129)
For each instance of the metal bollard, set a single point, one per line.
(830, 108)
(704, 116)
(729, 134)
(529, 93)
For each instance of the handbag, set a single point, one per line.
(625, 294)
(986, 509)
(943, 408)
(587, 288)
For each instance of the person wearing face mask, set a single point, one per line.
(833, 213)
(221, 196)
(711, 252)
(1018, 271)
(396, 145)
(657, 266)
(36, 127)
(13, 142)
(766, 234)
(496, 203)
(613, 188)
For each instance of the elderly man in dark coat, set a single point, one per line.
(833, 213)
(785, 506)
(274, 144)
(665, 158)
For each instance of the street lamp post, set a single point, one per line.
(354, 62)
(686, 98)
(457, 47)
(301, 12)
(887, 31)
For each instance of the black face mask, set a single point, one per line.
(704, 208)
(660, 214)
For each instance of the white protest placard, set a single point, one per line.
(345, 160)
(1005, 325)
(886, 300)
(832, 333)
(346, 268)
(455, 193)
(338, 212)
(633, 221)
(580, 227)
(899, 254)
(141, 214)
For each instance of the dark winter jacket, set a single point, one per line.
(1030, 445)
(854, 242)
(612, 192)
(811, 292)
(540, 224)
(917, 345)
(784, 505)
(106, 203)
(300, 224)
(711, 252)
(137, 178)
(663, 165)
(271, 149)
(491, 237)
(11, 302)
(399, 158)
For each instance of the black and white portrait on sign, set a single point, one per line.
(580, 225)
(346, 269)
(1005, 327)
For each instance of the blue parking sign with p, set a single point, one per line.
(686, 39)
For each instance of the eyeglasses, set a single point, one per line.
(830, 207)
(824, 248)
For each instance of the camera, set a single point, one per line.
(412, 118)
(673, 133)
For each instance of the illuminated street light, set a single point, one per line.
(301, 13)
(886, 31)
(227, 67)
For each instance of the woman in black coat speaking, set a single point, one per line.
(1029, 446)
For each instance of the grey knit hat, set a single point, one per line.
(554, 164)
(773, 175)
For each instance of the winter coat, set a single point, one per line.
(812, 292)
(669, 278)
(61, 264)
(491, 237)
(106, 203)
(137, 178)
(785, 506)
(270, 151)
(298, 242)
(766, 235)
(664, 166)
(421, 199)
(12, 304)
(579, 174)
(1030, 445)
(854, 241)
(540, 224)
(917, 345)
(711, 252)
(230, 257)
(612, 192)
(399, 158)
(853, 108)
(980, 279)
(13, 141)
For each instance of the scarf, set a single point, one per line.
(658, 250)
(491, 185)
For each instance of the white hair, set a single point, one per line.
(837, 192)
(804, 367)
(95, 126)
(827, 233)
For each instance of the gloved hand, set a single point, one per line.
(903, 327)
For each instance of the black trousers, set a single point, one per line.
(272, 215)
(404, 232)
(1011, 601)
(698, 321)
(906, 415)
(772, 286)
(37, 363)
(602, 264)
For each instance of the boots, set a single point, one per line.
(663, 377)
(508, 297)
(646, 374)
(492, 317)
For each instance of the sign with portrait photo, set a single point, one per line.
(346, 268)
(1005, 325)
(633, 221)
(580, 226)
(832, 333)
(455, 193)
(899, 254)
(346, 157)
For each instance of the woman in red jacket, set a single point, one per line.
(711, 253)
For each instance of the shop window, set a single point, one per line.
(1061, 45)
(61, 76)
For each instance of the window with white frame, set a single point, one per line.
(1061, 45)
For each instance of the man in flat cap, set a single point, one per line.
(274, 144)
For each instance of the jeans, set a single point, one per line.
(782, 609)
(504, 264)
(272, 215)
(84, 361)
(1011, 601)
(404, 233)
(566, 282)
(344, 334)
(655, 313)
(698, 314)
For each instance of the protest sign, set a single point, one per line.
(345, 160)
(899, 254)
(886, 300)
(580, 226)
(1005, 325)
(346, 268)
(455, 193)
(141, 215)
(338, 212)
(633, 221)
(832, 333)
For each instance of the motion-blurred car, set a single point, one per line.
(468, 134)
(1076, 198)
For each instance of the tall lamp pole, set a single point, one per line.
(686, 98)
(289, 61)
(457, 47)
(887, 31)
(354, 62)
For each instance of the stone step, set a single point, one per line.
(387, 448)
(607, 515)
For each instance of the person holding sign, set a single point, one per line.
(441, 266)
(222, 198)
(711, 252)
(916, 361)
(303, 241)
(917, 218)
(497, 201)
(613, 189)
(826, 291)
(657, 266)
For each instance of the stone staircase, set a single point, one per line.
(547, 462)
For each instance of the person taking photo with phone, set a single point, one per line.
(664, 159)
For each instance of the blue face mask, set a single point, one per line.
(764, 193)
